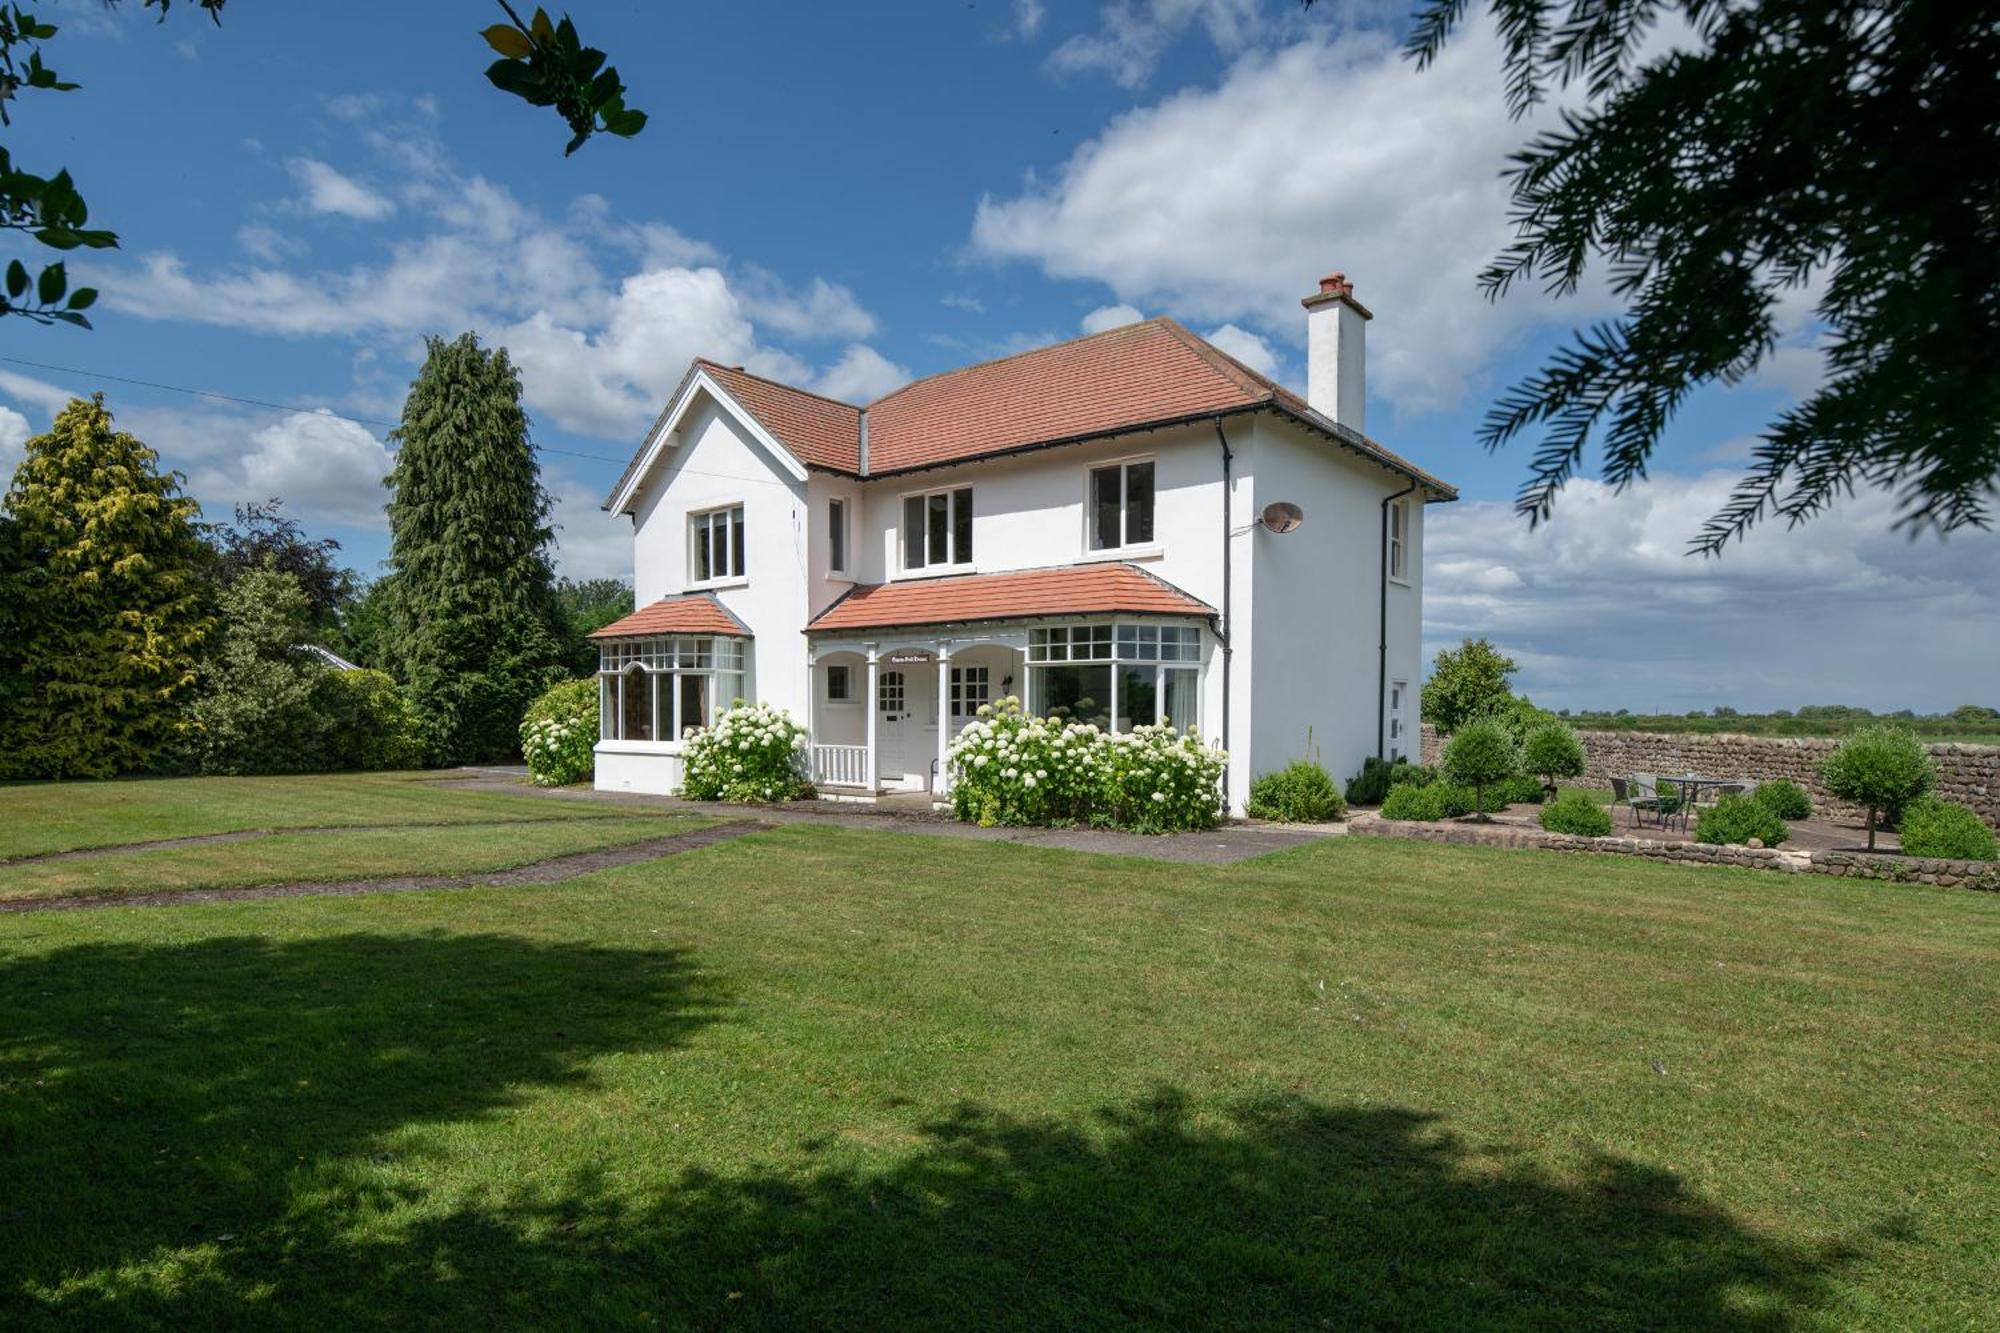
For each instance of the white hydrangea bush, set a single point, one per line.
(753, 752)
(559, 735)
(1008, 767)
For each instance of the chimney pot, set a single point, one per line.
(1336, 338)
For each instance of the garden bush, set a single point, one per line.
(1378, 775)
(1934, 827)
(1521, 789)
(1883, 768)
(1574, 812)
(367, 721)
(1009, 768)
(753, 752)
(1409, 801)
(1299, 793)
(1784, 798)
(559, 734)
(1737, 819)
(1480, 756)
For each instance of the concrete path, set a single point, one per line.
(1234, 841)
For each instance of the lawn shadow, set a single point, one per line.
(157, 1098)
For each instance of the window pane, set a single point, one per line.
(961, 526)
(736, 565)
(1138, 701)
(1182, 691)
(939, 509)
(836, 682)
(836, 535)
(637, 706)
(1081, 692)
(607, 708)
(718, 534)
(1105, 498)
(694, 703)
(913, 532)
(701, 549)
(1139, 503)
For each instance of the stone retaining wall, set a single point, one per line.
(1968, 774)
(1857, 865)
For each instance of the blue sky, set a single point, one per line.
(846, 196)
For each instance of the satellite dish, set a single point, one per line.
(1282, 516)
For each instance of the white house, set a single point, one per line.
(1133, 525)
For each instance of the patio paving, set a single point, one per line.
(1818, 834)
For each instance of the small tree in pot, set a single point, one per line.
(1883, 768)
(1480, 754)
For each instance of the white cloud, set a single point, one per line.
(958, 301)
(589, 543)
(327, 190)
(1109, 317)
(821, 310)
(48, 398)
(14, 433)
(1246, 347)
(861, 375)
(1028, 18)
(1603, 608)
(1133, 35)
(1228, 203)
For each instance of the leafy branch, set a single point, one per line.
(545, 63)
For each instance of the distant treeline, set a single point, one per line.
(1968, 722)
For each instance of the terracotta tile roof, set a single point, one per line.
(1148, 374)
(1060, 591)
(820, 432)
(693, 613)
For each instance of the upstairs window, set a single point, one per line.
(1121, 505)
(937, 529)
(836, 536)
(716, 542)
(1399, 530)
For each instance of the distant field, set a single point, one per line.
(1763, 724)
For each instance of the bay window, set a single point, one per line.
(937, 529)
(659, 689)
(1116, 677)
(715, 544)
(1121, 505)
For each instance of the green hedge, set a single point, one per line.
(1575, 812)
(1934, 827)
(1300, 793)
(1784, 798)
(1738, 819)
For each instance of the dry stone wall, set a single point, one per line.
(1968, 774)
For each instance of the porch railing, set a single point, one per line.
(840, 765)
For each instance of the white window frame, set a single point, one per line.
(700, 524)
(1121, 646)
(661, 660)
(952, 563)
(839, 549)
(1124, 547)
(1398, 554)
(846, 696)
(970, 687)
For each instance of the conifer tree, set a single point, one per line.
(106, 601)
(472, 621)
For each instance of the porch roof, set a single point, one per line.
(691, 613)
(1063, 590)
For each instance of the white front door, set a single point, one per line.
(906, 713)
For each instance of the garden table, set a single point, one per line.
(1688, 787)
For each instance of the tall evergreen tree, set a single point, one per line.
(473, 627)
(108, 601)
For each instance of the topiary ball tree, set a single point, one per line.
(1881, 768)
(1553, 751)
(1482, 753)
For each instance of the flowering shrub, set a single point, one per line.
(1009, 768)
(754, 752)
(559, 734)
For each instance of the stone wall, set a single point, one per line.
(1857, 865)
(1968, 774)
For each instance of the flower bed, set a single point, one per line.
(754, 752)
(1009, 768)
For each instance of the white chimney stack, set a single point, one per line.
(1336, 351)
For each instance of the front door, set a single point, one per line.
(902, 704)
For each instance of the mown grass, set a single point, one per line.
(823, 1077)
(41, 817)
(347, 855)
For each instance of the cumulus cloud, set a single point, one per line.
(327, 190)
(1109, 317)
(820, 310)
(861, 375)
(589, 543)
(1603, 609)
(1029, 16)
(1227, 203)
(1133, 35)
(14, 433)
(1246, 347)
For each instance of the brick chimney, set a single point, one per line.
(1337, 351)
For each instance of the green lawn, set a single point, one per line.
(42, 817)
(823, 1077)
